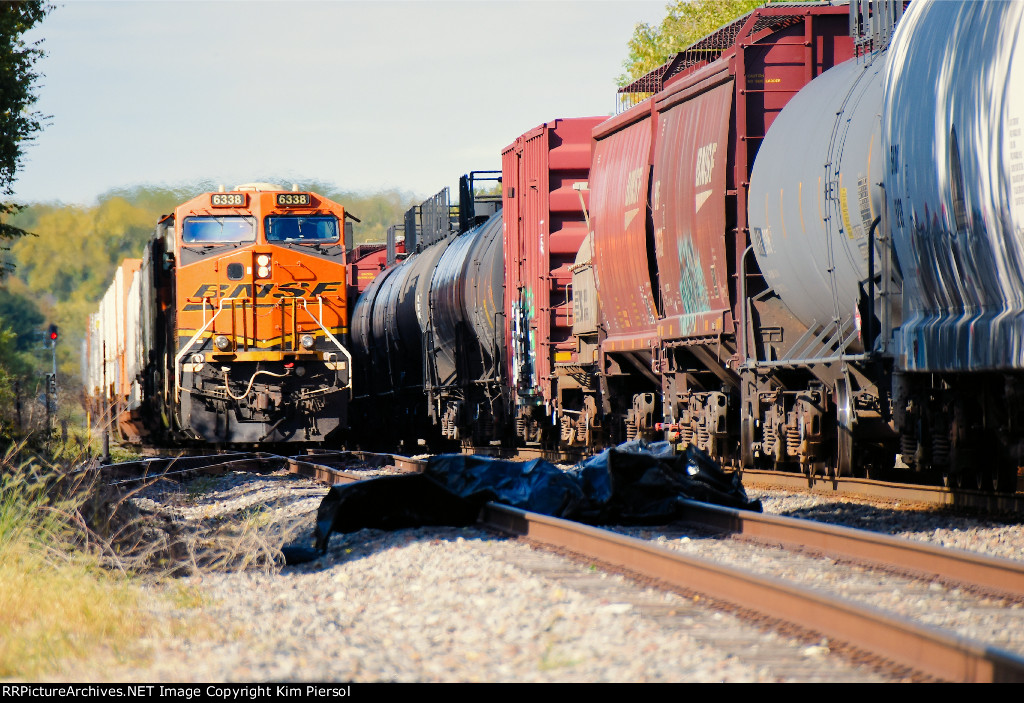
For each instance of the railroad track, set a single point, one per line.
(944, 496)
(887, 486)
(925, 649)
(934, 652)
(877, 489)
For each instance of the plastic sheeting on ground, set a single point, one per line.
(634, 483)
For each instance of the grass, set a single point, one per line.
(57, 602)
(247, 539)
(51, 613)
(77, 559)
(186, 597)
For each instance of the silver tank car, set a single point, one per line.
(811, 207)
(953, 136)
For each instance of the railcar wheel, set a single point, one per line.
(960, 478)
(1005, 480)
(846, 419)
(747, 430)
(981, 479)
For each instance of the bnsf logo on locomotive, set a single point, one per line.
(295, 289)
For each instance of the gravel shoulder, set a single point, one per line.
(429, 604)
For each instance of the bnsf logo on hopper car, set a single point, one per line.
(705, 164)
(296, 289)
(633, 185)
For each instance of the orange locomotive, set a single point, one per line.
(243, 317)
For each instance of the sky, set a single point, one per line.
(363, 95)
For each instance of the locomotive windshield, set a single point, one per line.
(218, 230)
(298, 228)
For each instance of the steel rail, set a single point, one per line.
(249, 465)
(953, 497)
(929, 650)
(886, 490)
(921, 558)
(319, 465)
(157, 467)
(320, 472)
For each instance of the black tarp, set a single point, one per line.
(634, 483)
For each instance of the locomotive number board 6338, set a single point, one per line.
(228, 199)
(293, 200)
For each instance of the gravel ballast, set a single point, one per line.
(989, 536)
(440, 604)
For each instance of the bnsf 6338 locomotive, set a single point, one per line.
(232, 327)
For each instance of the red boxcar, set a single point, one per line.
(544, 227)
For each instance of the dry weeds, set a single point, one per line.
(79, 559)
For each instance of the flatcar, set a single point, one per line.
(231, 329)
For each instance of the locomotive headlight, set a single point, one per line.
(300, 371)
(222, 342)
(306, 341)
(263, 266)
(198, 359)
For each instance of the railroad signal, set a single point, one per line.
(52, 335)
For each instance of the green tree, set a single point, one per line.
(687, 22)
(24, 318)
(67, 268)
(19, 124)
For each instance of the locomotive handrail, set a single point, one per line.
(185, 349)
(220, 308)
(327, 332)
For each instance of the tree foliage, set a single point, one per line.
(687, 22)
(19, 124)
(377, 212)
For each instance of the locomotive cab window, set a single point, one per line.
(218, 230)
(299, 228)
